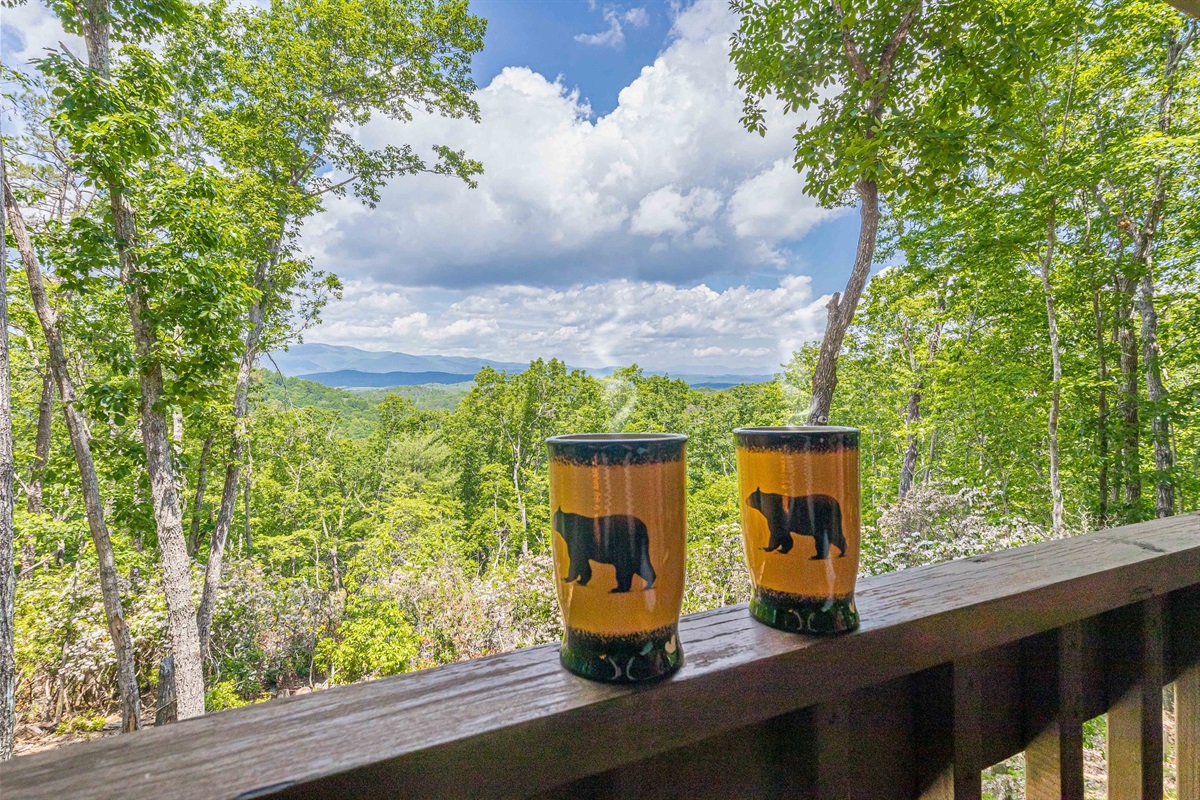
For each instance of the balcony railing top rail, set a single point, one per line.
(955, 664)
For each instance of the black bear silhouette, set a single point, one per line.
(815, 515)
(620, 540)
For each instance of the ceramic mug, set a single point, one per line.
(799, 491)
(619, 529)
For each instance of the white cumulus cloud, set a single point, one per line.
(667, 186)
(772, 205)
(665, 210)
(637, 17)
(599, 324)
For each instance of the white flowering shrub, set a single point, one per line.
(265, 631)
(66, 665)
(428, 611)
(459, 614)
(935, 523)
(407, 601)
(717, 574)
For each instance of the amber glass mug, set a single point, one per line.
(619, 528)
(800, 525)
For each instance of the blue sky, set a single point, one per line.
(541, 35)
(624, 215)
(544, 36)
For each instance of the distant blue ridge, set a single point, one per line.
(351, 368)
(354, 379)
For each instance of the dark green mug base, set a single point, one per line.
(635, 658)
(816, 615)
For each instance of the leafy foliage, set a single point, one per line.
(901, 91)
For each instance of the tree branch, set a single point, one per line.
(889, 52)
(850, 47)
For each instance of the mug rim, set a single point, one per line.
(616, 449)
(615, 438)
(793, 429)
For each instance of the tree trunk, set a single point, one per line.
(516, 479)
(1156, 395)
(841, 311)
(1127, 402)
(929, 459)
(41, 444)
(1102, 403)
(246, 498)
(28, 561)
(1156, 392)
(1056, 393)
(172, 543)
(909, 467)
(8, 576)
(198, 503)
(90, 485)
(166, 708)
(237, 449)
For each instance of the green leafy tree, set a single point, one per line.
(713, 416)
(8, 577)
(505, 421)
(81, 446)
(1142, 170)
(281, 89)
(898, 95)
(173, 257)
(374, 639)
(1055, 202)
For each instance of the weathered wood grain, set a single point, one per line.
(829, 744)
(1054, 715)
(1001, 703)
(1183, 630)
(1184, 640)
(1187, 732)
(1135, 732)
(879, 762)
(517, 724)
(858, 748)
(969, 761)
(933, 732)
(948, 702)
(766, 760)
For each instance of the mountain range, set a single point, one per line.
(351, 368)
(304, 360)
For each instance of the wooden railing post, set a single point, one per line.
(1187, 732)
(881, 744)
(1054, 714)
(968, 728)
(1135, 733)
(1184, 640)
(949, 730)
(832, 775)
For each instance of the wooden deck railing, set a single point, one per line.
(957, 666)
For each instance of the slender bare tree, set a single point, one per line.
(81, 445)
(96, 24)
(8, 577)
